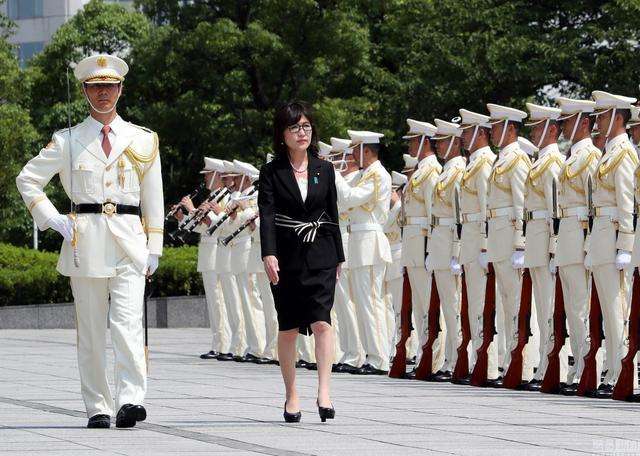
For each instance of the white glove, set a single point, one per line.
(427, 265)
(483, 261)
(623, 258)
(517, 259)
(552, 266)
(63, 225)
(152, 263)
(455, 267)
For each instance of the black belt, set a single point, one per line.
(107, 208)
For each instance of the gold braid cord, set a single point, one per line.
(139, 160)
(613, 164)
(416, 181)
(442, 187)
(468, 175)
(500, 170)
(376, 188)
(534, 174)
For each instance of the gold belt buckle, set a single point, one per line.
(109, 208)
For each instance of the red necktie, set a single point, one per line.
(106, 145)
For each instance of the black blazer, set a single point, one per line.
(279, 194)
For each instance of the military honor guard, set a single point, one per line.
(110, 169)
(476, 131)
(443, 249)
(505, 208)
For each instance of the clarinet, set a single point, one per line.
(192, 195)
(194, 219)
(224, 218)
(240, 229)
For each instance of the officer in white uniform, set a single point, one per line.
(569, 255)
(111, 171)
(416, 225)
(369, 251)
(541, 184)
(444, 244)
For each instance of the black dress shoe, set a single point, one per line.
(532, 385)
(368, 369)
(444, 376)
(326, 413)
(291, 417)
(256, 359)
(336, 367)
(604, 391)
(225, 357)
(495, 383)
(129, 415)
(240, 359)
(462, 381)
(301, 363)
(99, 422)
(569, 390)
(348, 369)
(210, 355)
(273, 361)
(411, 375)
(411, 362)
(312, 366)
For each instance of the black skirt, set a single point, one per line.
(303, 297)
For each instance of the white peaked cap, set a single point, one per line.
(539, 113)
(470, 119)
(499, 113)
(230, 168)
(571, 106)
(339, 144)
(324, 149)
(211, 165)
(409, 162)
(418, 128)
(605, 101)
(527, 145)
(101, 69)
(398, 179)
(635, 117)
(245, 168)
(364, 137)
(446, 129)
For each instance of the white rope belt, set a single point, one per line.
(580, 211)
(306, 230)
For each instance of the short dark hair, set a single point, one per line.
(625, 113)
(289, 114)
(516, 125)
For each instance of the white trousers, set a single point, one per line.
(91, 296)
(306, 348)
(612, 296)
(270, 315)
(233, 304)
(347, 328)
(367, 288)
(220, 332)
(254, 325)
(449, 294)
(420, 281)
(393, 300)
(509, 285)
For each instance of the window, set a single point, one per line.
(24, 9)
(28, 50)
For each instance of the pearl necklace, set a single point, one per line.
(298, 171)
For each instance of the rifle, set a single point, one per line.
(480, 370)
(623, 391)
(513, 376)
(240, 229)
(225, 216)
(551, 380)
(461, 371)
(425, 368)
(399, 365)
(589, 379)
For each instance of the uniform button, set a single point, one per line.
(108, 168)
(108, 184)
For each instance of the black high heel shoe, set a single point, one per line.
(291, 417)
(326, 413)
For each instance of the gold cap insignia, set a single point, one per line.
(102, 62)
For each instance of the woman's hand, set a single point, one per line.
(271, 268)
(338, 271)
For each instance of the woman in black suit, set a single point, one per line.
(301, 248)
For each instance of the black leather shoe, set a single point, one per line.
(336, 367)
(444, 376)
(495, 383)
(368, 369)
(291, 417)
(99, 422)
(411, 362)
(256, 359)
(225, 357)
(532, 385)
(462, 381)
(273, 361)
(326, 413)
(312, 366)
(129, 414)
(604, 391)
(301, 363)
(569, 390)
(240, 359)
(348, 368)
(210, 355)
(411, 375)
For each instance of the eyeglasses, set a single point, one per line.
(295, 129)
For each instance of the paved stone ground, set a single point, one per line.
(210, 407)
